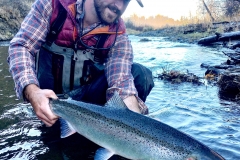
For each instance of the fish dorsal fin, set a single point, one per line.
(115, 101)
(103, 154)
(66, 128)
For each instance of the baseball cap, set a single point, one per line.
(140, 3)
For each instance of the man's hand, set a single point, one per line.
(39, 99)
(132, 104)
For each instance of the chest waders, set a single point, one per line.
(63, 69)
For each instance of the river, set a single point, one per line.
(194, 109)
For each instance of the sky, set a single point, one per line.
(170, 8)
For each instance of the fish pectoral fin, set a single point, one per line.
(103, 154)
(66, 128)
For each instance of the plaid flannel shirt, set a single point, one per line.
(32, 34)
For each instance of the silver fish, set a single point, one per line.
(123, 132)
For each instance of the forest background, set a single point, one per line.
(208, 11)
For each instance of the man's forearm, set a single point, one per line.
(132, 103)
(26, 43)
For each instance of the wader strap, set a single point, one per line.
(72, 70)
(99, 55)
(56, 26)
(57, 70)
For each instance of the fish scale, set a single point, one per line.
(129, 134)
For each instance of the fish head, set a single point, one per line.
(58, 107)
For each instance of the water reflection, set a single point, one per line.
(196, 110)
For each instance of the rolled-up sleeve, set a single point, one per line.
(118, 71)
(26, 43)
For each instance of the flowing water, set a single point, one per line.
(194, 109)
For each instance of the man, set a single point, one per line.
(65, 45)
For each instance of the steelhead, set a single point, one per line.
(123, 132)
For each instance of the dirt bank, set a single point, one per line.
(12, 13)
(192, 33)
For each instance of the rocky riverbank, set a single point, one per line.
(12, 13)
(192, 33)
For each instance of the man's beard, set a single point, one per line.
(103, 15)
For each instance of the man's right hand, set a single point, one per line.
(39, 99)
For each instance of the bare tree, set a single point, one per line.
(206, 7)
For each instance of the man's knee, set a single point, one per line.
(143, 80)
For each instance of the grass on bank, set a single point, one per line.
(190, 33)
